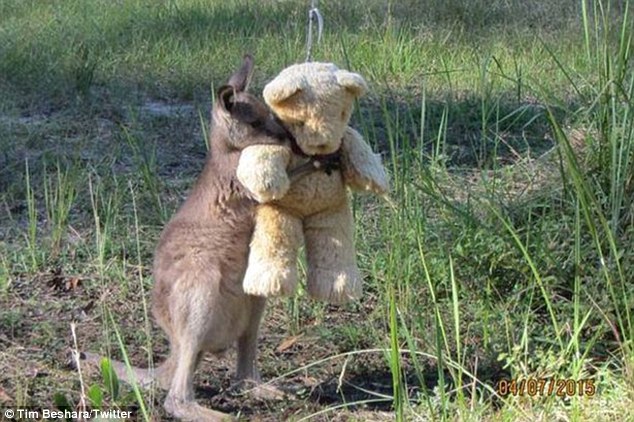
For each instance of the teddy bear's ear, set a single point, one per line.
(353, 82)
(275, 93)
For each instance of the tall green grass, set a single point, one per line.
(55, 52)
(548, 337)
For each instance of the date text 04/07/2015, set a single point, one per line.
(561, 387)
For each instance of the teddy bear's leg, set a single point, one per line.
(333, 274)
(272, 267)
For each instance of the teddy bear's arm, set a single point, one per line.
(262, 171)
(362, 168)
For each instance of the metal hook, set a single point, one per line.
(313, 14)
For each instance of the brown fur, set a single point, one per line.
(202, 255)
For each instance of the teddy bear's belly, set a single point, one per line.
(315, 192)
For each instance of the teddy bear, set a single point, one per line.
(314, 101)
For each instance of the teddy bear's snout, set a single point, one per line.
(323, 148)
(316, 143)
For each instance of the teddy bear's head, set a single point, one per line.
(315, 101)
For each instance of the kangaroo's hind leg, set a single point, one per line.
(247, 372)
(248, 342)
(180, 401)
(192, 324)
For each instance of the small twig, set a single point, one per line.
(342, 373)
(75, 353)
(473, 383)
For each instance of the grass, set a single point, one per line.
(507, 130)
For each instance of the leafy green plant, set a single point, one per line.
(96, 397)
(110, 379)
(102, 395)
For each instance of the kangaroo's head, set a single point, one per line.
(240, 119)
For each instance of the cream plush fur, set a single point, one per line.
(314, 101)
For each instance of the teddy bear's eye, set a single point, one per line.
(300, 124)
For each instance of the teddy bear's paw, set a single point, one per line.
(262, 171)
(264, 197)
(267, 279)
(274, 190)
(374, 180)
(335, 286)
(265, 189)
(362, 168)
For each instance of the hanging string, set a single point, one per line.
(313, 15)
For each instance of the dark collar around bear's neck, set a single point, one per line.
(320, 162)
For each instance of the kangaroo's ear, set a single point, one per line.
(241, 78)
(240, 106)
(225, 96)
